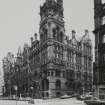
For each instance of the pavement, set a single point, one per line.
(71, 101)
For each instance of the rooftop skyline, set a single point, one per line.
(20, 20)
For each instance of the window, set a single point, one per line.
(104, 77)
(58, 73)
(52, 73)
(103, 39)
(102, 1)
(54, 33)
(63, 74)
(48, 73)
(103, 20)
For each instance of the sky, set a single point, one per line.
(19, 20)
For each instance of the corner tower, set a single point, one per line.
(52, 22)
(52, 33)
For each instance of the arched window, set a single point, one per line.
(61, 37)
(78, 75)
(58, 84)
(54, 33)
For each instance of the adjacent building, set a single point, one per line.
(1, 83)
(65, 65)
(99, 65)
(8, 69)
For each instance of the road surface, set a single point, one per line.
(71, 101)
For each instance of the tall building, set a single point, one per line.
(65, 65)
(99, 65)
(54, 65)
(52, 34)
(25, 69)
(17, 76)
(34, 65)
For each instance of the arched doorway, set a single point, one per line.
(45, 84)
(58, 84)
(58, 87)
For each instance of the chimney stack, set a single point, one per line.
(73, 33)
(31, 40)
(86, 32)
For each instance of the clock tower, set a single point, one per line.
(52, 34)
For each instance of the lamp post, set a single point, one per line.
(16, 88)
(32, 90)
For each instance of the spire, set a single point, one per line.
(19, 52)
(87, 35)
(31, 40)
(35, 35)
(86, 32)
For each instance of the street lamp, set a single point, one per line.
(32, 90)
(16, 88)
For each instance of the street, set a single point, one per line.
(71, 101)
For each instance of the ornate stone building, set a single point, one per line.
(99, 65)
(55, 65)
(64, 65)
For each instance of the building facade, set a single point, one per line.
(8, 69)
(65, 64)
(54, 65)
(1, 83)
(99, 65)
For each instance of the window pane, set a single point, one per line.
(103, 20)
(103, 39)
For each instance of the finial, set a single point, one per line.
(19, 51)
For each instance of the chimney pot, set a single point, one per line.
(86, 32)
(73, 33)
